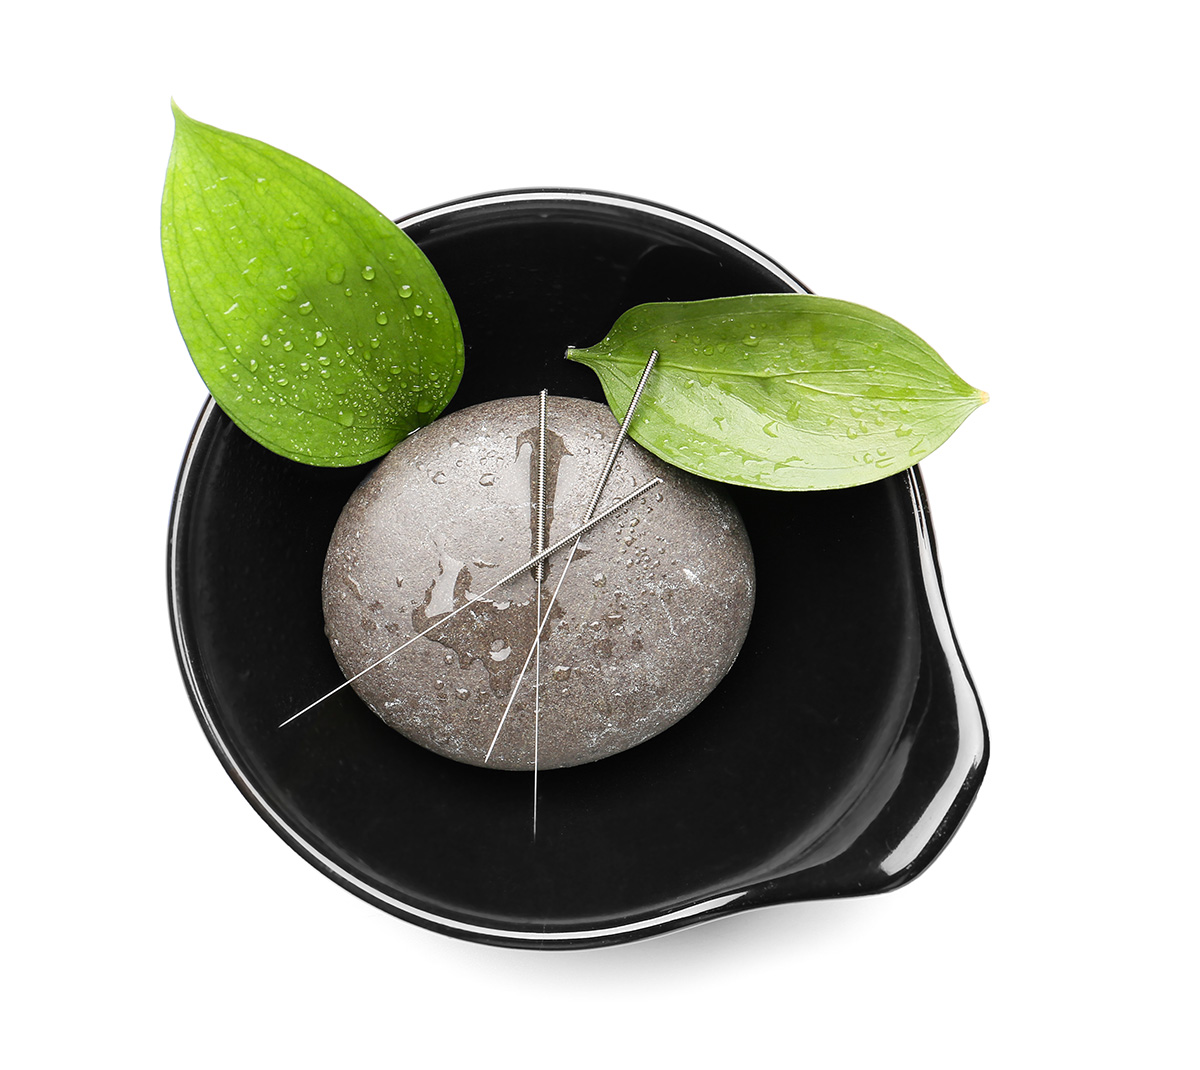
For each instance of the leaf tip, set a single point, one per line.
(185, 125)
(984, 396)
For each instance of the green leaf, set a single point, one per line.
(784, 391)
(319, 327)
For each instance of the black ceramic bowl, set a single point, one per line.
(836, 758)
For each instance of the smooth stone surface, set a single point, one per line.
(650, 617)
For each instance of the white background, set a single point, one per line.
(1015, 181)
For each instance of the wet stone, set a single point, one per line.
(450, 510)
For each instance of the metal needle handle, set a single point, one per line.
(608, 467)
(616, 446)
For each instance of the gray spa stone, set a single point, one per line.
(650, 617)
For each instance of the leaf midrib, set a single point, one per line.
(780, 375)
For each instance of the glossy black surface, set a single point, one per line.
(836, 758)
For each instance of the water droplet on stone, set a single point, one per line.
(440, 477)
(487, 479)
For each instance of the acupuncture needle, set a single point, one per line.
(540, 578)
(578, 533)
(608, 467)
